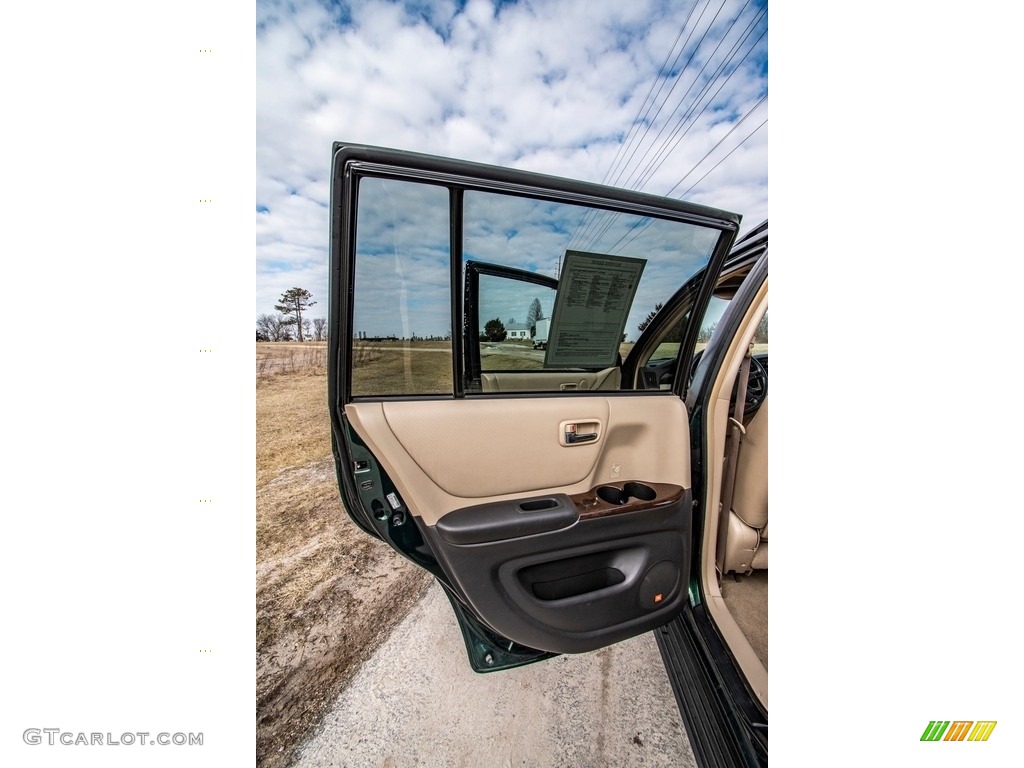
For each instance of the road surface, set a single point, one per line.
(416, 702)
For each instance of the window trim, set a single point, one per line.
(471, 300)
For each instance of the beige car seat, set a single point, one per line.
(746, 544)
(551, 381)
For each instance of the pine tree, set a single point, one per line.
(294, 302)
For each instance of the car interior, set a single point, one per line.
(735, 541)
(736, 582)
(735, 544)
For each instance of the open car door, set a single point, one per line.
(488, 420)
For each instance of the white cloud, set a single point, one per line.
(546, 86)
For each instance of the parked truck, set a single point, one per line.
(540, 338)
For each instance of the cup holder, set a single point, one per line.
(640, 491)
(618, 496)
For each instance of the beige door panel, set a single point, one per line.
(551, 381)
(445, 455)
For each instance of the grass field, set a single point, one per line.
(421, 367)
(326, 593)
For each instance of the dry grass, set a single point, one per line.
(293, 424)
(511, 363)
(327, 594)
(308, 358)
(420, 368)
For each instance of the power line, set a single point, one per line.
(642, 113)
(656, 155)
(672, 141)
(717, 145)
(636, 231)
(698, 181)
(658, 81)
(677, 133)
(676, 82)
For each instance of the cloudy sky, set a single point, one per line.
(667, 96)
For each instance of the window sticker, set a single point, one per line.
(595, 293)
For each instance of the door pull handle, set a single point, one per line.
(572, 436)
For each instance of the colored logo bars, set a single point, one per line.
(958, 730)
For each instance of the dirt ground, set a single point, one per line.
(416, 702)
(327, 595)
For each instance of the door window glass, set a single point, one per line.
(612, 269)
(554, 293)
(402, 335)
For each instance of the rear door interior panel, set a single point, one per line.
(550, 498)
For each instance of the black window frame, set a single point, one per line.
(352, 163)
(471, 306)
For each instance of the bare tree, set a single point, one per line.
(264, 326)
(294, 302)
(320, 328)
(272, 328)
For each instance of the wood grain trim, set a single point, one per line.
(592, 506)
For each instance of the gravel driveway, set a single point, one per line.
(416, 702)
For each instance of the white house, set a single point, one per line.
(517, 331)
